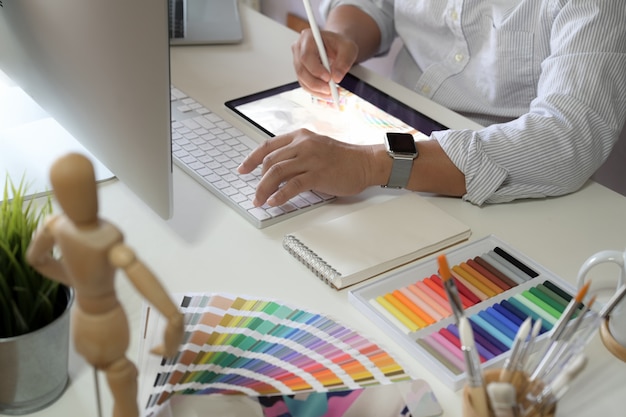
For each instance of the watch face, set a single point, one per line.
(401, 143)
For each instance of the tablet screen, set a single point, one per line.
(365, 113)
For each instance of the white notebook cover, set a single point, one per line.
(378, 238)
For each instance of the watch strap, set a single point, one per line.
(400, 172)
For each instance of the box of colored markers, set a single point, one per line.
(499, 288)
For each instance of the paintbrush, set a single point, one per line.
(450, 287)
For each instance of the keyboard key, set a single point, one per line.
(274, 211)
(311, 197)
(259, 213)
(210, 149)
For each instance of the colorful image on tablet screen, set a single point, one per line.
(358, 120)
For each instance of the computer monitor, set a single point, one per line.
(101, 69)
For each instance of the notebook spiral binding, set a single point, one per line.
(311, 260)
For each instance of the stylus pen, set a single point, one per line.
(321, 48)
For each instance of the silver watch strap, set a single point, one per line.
(400, 172)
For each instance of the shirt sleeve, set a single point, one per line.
(382, 11)
(571, 125)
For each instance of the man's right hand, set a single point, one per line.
(313, 77)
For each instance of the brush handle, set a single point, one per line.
(493, 375)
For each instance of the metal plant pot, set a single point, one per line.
(34, 366)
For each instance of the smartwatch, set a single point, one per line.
(401, 148)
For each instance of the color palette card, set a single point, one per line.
(259, 347)
(499, 288)
(412, 398)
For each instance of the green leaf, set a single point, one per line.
(27, 298)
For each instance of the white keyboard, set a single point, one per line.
(210, 149)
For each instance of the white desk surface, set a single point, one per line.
(208, 247)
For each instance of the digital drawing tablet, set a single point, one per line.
(366, 113)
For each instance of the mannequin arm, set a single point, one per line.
(121, 256)
(39, 254)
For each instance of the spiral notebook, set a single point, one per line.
(376, 239)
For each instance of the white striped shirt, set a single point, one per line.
(546, 77)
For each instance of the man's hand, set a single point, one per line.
(313, 77)
(302, 161)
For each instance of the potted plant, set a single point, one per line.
(34, 312)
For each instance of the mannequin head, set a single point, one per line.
(74, 184)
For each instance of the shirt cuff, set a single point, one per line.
(483, 176)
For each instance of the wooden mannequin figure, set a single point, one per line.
(92, 249)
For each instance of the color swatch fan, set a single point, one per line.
(254, 347)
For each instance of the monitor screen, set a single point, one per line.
(101, 69)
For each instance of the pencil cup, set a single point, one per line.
(493, 375)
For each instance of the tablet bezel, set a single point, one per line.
(352, 83)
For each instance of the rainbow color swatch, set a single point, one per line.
(498, 287)
(236, 345)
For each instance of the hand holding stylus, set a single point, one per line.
(322, 59)
(321, 48)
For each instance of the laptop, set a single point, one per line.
(203, 22)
